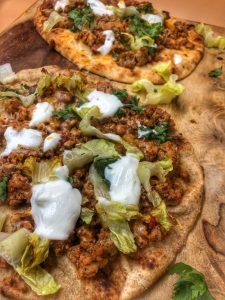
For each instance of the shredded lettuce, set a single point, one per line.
(35, 253)
(161, 216)
(26, 100)
(137, 43)
(2, 220)
(87, 215)
(159, 169)
(40, 281)
(159, 94)
(41, 172)
(125, 12)
(89, 130)
(211, 39)
(13, 247)
(85, 153)
(163, 69)
(115, 216)
(43, 84)
(53, 20)
(3, 188)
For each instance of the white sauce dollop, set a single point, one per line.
(107, 103)
(109, 40)
(61, 4)
(29, 138)
(56, 207)
(177, 58)
(99, 8)
(42, 113)
(51, 141)
(151, 18)
(125, 185)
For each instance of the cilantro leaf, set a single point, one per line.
(121, 94)
(191, 284)
(141, 27)
(216, 72)
(70, 180)
(158, 133)
(100, 165)
(65, 114)
(145, 8)
(3, 188)
(134, 105)
(82, 17)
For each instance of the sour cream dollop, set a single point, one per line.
(151, 18)
(29, 138)
(99, 8)
(108, 104)
(56, 207)
(61, 4)
(125, 185)
(109, 40)
(51, 141)
(43, 112)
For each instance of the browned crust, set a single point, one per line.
(64, 41)
(133, 275)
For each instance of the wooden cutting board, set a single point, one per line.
(199, 114)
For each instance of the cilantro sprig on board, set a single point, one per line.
(191, 285)
(216, 72)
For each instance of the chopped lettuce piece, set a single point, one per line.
(40, 281)
(35, 253)
(163, 69)
(161, 216)
(87, 215)
(210, 38)
(89, 130)
(159, 169)
(43, 84)
(41, 172)
(26, 100)
(159, 94)
(115, 216)
(53, 20)
(12, 247)
(137, 43)
(85, 153)
(2, 219)
(74, 85)
(3, 188)
(125, 12)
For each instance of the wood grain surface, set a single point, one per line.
(200, 115)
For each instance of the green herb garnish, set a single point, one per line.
(3, 188)
(70, 180)
(66, 114)
(158, 133)
(134, 105)
(82, 17)
(191, 285)
(121, 94)
(145, 8)
(141, 27)
(216, 72)
(100, 165)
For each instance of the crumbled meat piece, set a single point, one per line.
(92, 255)
(79, 177)
(130, 59)
(19, 190)
(3, 263)
(59, 247)
(11, 285)
(63, 96)
(21, 220)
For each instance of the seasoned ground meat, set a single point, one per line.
(21, 220)
(11, 285)
(3, 263)
(59, 247)
(130, 59)
(19, 190)
(92, 255)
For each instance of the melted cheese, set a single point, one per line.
(61, 4)
(99, 8)
(125, 185)
(51, 141)
(43, 112)
(109, 40)
(29, 138)
(56, 208)
(177, 58)
(151, 18)
(108, 104)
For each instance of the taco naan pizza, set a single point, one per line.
(120, 40)
(97, 192)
